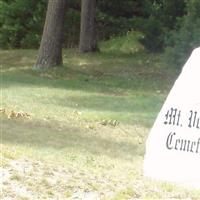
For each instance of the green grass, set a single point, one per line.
(70, 145)
(100, 86)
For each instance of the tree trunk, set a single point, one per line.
(88, 42)
(50, 51)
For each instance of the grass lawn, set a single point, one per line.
(79, 131)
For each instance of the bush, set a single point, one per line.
(154, 33)
(109, 26)
(160, 16)
(21, 22)
(182, 41)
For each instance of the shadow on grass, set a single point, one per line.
(95, 81)
(105, 72)
(36, 135)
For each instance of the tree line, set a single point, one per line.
(168, 25)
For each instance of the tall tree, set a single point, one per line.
(88, 42)
(50, 51)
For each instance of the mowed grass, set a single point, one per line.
(85, 137)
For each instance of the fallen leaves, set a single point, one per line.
(20, 114)
(77, 112)
(109, 122)
(14, 114)
(2, 111)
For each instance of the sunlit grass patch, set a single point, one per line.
(128, 44)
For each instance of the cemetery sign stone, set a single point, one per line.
(173, 145)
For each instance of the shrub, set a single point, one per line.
(20, 21)
(182, 41)
(160, 16)
(153, 30)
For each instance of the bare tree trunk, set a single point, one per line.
(88, 42)
(50, 51)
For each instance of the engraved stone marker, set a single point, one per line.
(173, 145)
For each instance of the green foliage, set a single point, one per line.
(182, 41)
(154, 32)
(119, 8)
(21, 23)
(153, 17)
(159, 17)
(166, 11)
(109, 26)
